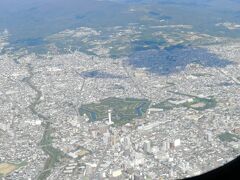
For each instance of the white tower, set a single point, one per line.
(110, 117)
(147, 147)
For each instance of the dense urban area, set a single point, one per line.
(134, 102)
(81, 116)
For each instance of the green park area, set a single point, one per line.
(229, 137)
(196, 103)
(201, 104)
(123, 110)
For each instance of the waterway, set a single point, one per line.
(46, 142)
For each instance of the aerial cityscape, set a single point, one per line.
(120, 89)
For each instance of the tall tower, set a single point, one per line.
(147, 147)
(110, 117)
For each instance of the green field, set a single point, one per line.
(228, 137)
(123, 110)
(201, 104)
(196, 103)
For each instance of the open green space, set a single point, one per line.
(123, 110)
(228, 137)
(196, 103)
(201, 104)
